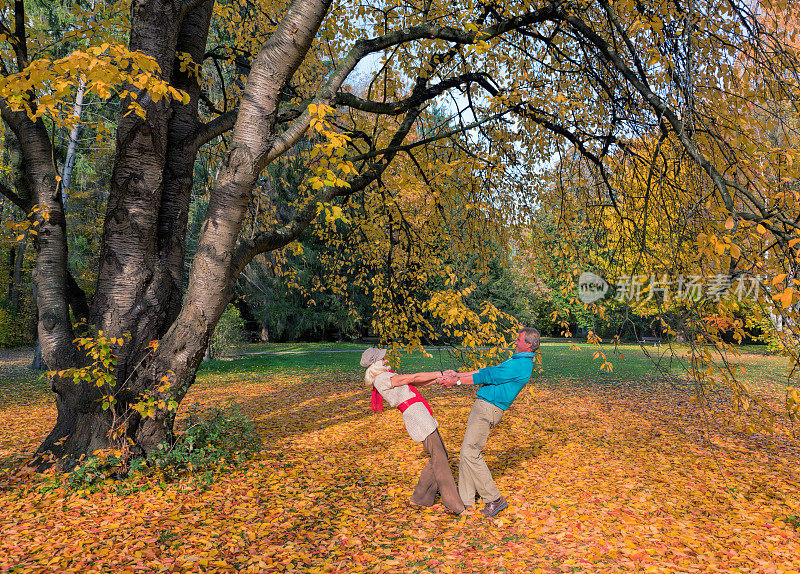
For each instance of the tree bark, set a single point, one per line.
(38, 362)
(182, 148)
(12, 258)
(50, 272)
(140, 283)
(132, 282)
(15, 287)
(17, 253)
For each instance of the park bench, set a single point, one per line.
(655, 341)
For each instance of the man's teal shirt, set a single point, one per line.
(501, 384)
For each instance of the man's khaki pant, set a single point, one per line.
(473, 474)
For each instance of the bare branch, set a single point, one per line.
(209, 104)
(398, 148)
(215, 128)
(362, 48)
(20, 38)
(225, 122)
(402, 106)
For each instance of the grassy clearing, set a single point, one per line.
(561, 363)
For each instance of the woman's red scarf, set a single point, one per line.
(377, 401)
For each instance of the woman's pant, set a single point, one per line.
(436, 477)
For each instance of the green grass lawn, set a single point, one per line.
(562, 363)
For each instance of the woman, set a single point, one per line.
(400, 391)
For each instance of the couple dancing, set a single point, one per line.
(498, 387)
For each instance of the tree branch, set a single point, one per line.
(209, 104)
(15, 199)
(362, 48)
(225, 122)
(21, 40)
(402, 106)
(540, 117)
(215, 128)
(276, 238)
(410, 146)
(20, 53)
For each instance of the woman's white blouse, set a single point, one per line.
(419, 422)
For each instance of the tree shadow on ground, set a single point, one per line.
(514, 457)
(283, 405)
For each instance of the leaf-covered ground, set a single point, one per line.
(600, 478)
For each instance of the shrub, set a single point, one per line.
(14, 329)
(792, 520)
(104, 464)
(213, 438)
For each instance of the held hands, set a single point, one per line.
(448, 379)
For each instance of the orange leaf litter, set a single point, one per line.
(597, 481)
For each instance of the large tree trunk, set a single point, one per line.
(140, 282)
(182, 148)
(123, 302)
(213, 273)
(138, 291)
(173, 217)
(133, 284)
(139, 287)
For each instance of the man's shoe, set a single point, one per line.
(494, 507)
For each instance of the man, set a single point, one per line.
(499, 386)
